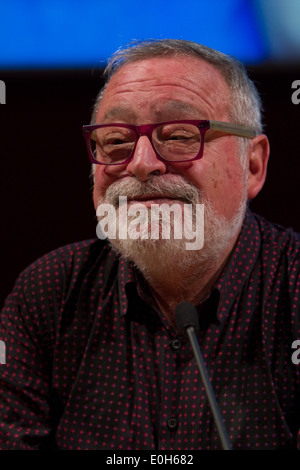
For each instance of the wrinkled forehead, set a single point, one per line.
(180, 70)
(180, 78)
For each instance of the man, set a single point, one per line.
(94, 357)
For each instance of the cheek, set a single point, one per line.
(104, 176)
(225, 176)
(228, 187)
(102, 179)
(220, 180)
(226, 170)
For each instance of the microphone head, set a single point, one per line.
(186, 315)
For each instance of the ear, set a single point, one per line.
(258, 156)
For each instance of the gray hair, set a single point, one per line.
(245, 103)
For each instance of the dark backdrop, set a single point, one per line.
(45, 189)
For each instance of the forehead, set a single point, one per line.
(178, 85)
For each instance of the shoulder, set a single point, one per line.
(67, 257)
(66, 253)
(54, 273)
(276, 239)
(279, 255)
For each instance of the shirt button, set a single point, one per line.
(172, 424)
(176, 344)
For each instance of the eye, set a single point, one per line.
(178, 136)
(117, 138)
(112, 143)
(177, 132)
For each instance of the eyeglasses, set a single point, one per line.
(172, 141)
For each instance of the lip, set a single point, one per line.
(149, 199)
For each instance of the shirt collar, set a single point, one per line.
(239, 265)
(228, 286)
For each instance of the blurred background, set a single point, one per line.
(52, 54)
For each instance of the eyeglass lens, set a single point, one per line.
(173, 142)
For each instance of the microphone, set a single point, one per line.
(188, 323)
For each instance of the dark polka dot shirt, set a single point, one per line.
(92, 364)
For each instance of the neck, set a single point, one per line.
(171, 285)
(175, 274)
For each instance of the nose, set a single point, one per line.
(145, 162)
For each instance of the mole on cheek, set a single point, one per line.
(228, 173)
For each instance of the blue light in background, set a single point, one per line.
(76, 33)
(281, 20)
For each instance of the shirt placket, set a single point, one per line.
(170, 391)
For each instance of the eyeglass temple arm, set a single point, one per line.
(235, 129)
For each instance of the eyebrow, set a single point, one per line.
(180, 106)
(172, 108)
(119, 112)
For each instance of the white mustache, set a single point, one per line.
(174, 187)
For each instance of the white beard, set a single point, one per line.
(156, 256)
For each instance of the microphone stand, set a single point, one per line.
(190, 331)
(188, 323)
